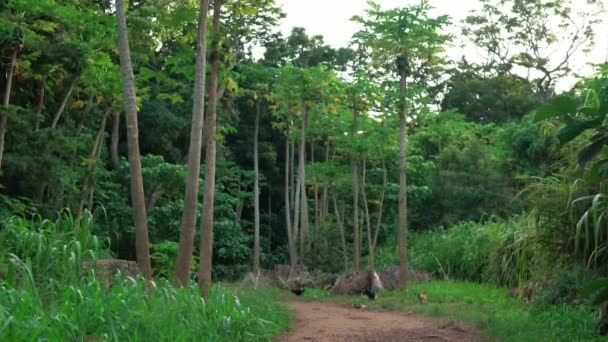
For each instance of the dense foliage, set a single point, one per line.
(499, 178)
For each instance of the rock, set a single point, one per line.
(105, 269)
(326, 280)
(357, 282)
(264, 277)
(421, 276)
(390, 277)
(286, 275)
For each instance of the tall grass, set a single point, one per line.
(495, 251)
(45, 295)
(128, 311)
(53, 249)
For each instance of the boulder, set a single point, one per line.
(326, 280)
(390, 277)
(357, 282)
(264, 277)
(287, 275)
(105, 269)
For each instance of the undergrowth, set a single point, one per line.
(45, 294)
(501, 252)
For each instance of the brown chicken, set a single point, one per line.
(422, 297)
(297, 289)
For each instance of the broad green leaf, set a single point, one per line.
(558, 106)
(574, 129)
(592, 150)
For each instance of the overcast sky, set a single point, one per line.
(331, 19)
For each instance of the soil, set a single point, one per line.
(317, 321)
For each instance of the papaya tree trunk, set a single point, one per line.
(183, 263)
(256, 194)
(367, 217)
(93, 158)
(64, 103)
(297, 205)
(39, 105)
(341, 227)
(293, 259)
(302, 183)
(206, 248)
(379, 219)
(137, 184)
(317, 209)
(92, 184)
(354, 169)
(324, 196)
(403, 262)
(7, 100)
(292, 171)
(114, 139)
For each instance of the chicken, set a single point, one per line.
(422, 297)
(297, 289)
(370, 294)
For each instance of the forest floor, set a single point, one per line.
(323, 321)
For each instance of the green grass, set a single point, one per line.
(127, 312)
(499, 317)
(45, 296)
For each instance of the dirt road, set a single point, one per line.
(316, 321)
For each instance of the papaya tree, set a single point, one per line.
(402, 42)
(255, 83)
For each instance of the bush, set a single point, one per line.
(565, 287)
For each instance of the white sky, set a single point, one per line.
(331, 19)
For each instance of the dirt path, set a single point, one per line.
(316, 321)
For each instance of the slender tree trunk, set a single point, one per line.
(293, 259)
(342, 235)
(296, 208)
(368, 224)
(92, 184)
(183, 263)
(379, 219)
(240, 204)
(269, 217)
(302, 182)
(304, 226)
(137, 184)
(403, 262)
(354, 169)
(114, 138)
(256, 194)
(317, 209)
(64, 103)
(39, 105)
(324, 196)
(206, 249)
(154, 197)
(7, 99)
(292, 171)
(86, 184)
